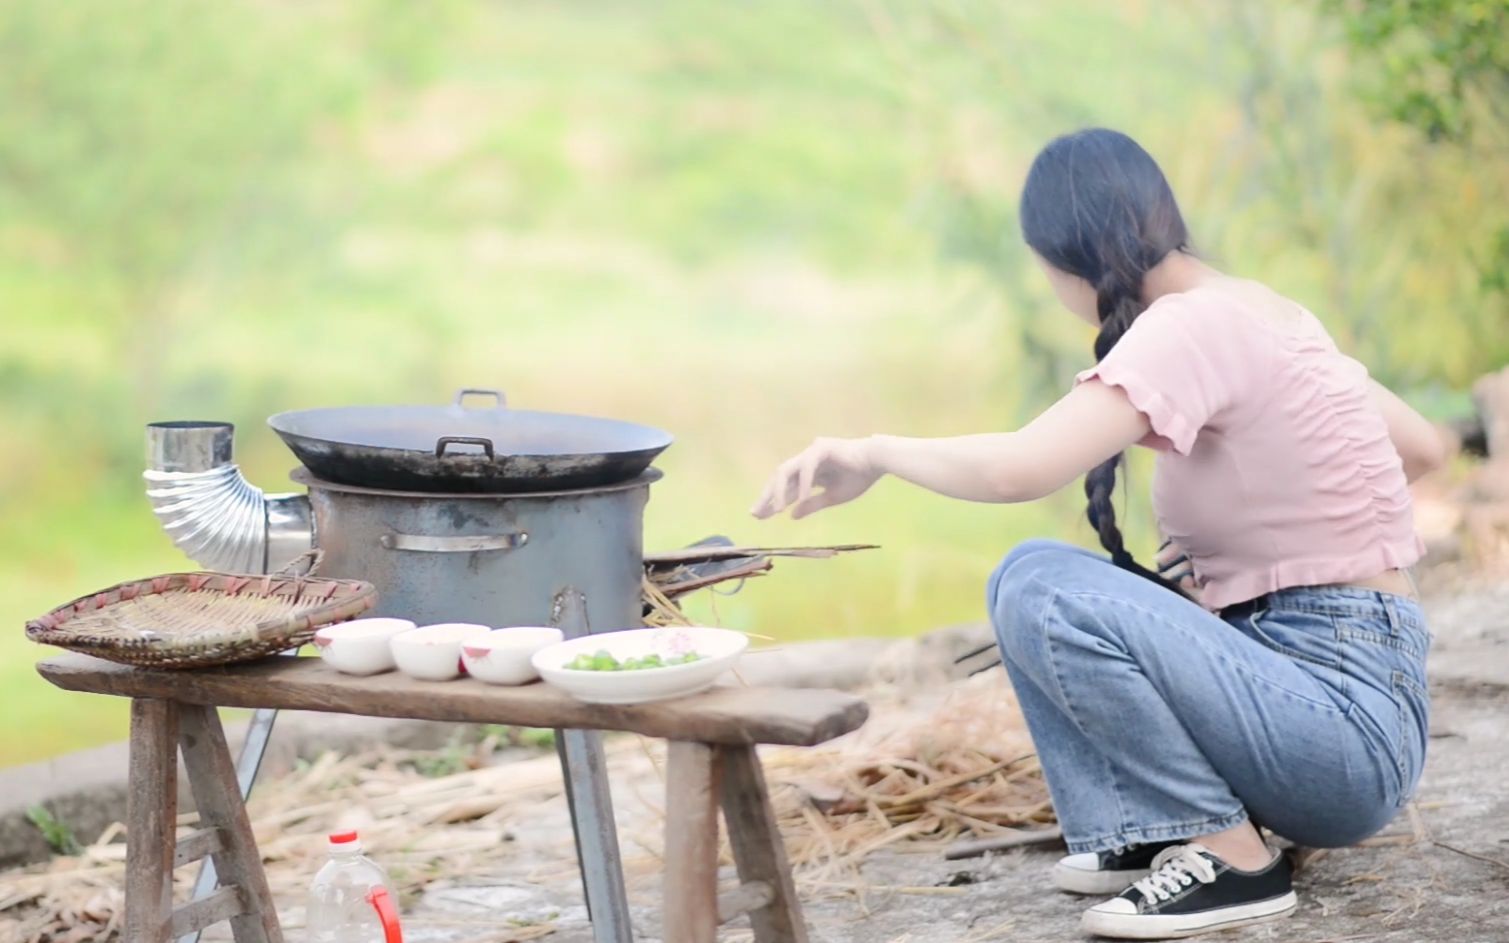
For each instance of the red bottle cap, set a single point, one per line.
(342, 838)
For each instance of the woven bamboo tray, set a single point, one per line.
(194, 620)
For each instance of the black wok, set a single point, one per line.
(453, 448)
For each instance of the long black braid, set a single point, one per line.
(1096, 205)
(1118, 308)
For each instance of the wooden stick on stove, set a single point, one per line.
(674, 588)
(705, 554)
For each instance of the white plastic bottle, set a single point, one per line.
(351, 900)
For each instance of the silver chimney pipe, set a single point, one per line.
(210, 511)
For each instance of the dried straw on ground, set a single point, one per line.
(921, 772)
(959, 766)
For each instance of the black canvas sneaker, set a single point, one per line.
(1192, 891)
(1106, 872)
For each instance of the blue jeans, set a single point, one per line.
(1156, 720)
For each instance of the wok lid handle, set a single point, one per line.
(447, 440)
(499, 400)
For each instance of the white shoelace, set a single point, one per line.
(1175, 869)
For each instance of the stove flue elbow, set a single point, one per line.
(210, 511)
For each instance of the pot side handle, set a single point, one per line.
(429, 543)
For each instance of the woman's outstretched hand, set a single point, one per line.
(843, 469)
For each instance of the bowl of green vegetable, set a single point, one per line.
(639, 665)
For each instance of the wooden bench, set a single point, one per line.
(711, 762)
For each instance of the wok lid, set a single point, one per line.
(457, 448)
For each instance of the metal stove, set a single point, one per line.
(569, 556)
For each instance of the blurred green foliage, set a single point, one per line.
(748, 224)
(1442, 65)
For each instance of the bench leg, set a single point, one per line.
(253, 748)
(757, 846)
(151, 817)
(691, 844)
(212, 775)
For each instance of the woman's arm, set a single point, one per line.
(1089, 425)
(1415, 438)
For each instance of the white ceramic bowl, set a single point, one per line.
(502, 656)
(720, 649)
(360, 647)
(433, 652)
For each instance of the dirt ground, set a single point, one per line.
(1439, 873)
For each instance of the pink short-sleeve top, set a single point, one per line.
(1274, 469)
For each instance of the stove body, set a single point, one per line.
(494, 559)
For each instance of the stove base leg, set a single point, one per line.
(576, 829)
(591, 804)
